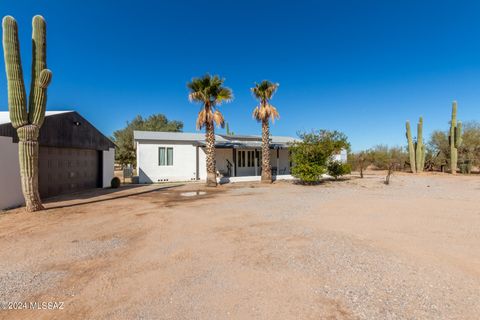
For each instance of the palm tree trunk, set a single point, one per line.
(28, 157)
(266, 169)
(210, 141)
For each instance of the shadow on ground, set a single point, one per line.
(105, 194)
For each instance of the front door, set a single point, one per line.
(247, 162)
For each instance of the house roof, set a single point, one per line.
(62, 129)
(221, 141)
(5, 116)
(172, 136)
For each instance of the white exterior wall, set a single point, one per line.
(108, 167)
(221, 157)
(342, 156)
(10, 186)
(202, 164)
(184, 162)
(10, 182)
(184, 166)
(284, 162)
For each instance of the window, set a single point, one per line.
(246, 159)
(241, 159)
(165, 156)
(169, 156)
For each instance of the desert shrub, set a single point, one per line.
(308, 172)
(385, 158)
(466, 167)
(389, 158)
(311, 155)
(360, 160)
(468, 152)
(115, 183)
(337, 169)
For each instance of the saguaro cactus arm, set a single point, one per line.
(423, 157)
(458, 135)
(17, 97)
(418, 152)
(454, 140)
(40, 75)
(411, 149)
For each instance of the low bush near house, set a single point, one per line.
(311, 155)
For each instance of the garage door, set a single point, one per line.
(67, 170)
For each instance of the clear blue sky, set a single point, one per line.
(362, 67)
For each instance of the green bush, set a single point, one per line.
(308, 172)
(337, 169)
(311, 155)
(466, 167)
(115, 183)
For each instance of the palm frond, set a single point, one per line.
(273, 112)
(196, 96)
(264, 90)
(256, 113)
(210, 92)
(201, 119)
(218, 118)
(224, 94)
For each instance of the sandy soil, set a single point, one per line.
(354, 249)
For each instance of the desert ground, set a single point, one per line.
(352, 249)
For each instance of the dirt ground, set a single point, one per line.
(354, 249)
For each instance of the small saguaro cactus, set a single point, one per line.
(454, 138)
(416, 150)
(27, 121)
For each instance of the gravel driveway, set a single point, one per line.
(353, 249)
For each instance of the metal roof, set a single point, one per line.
(235, 141)
(62, 129)
(245, 145)
(172, 136)
(5, 116)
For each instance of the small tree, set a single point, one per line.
(360, 161)
(311, 155)
(123, 138)
(438, 150)
(469, 151)
(337, 169)
(390, 159)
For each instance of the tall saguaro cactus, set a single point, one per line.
(416, 151)
(27, 121)
(411, 148)
(454, 139)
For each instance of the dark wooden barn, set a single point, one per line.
(71, 156)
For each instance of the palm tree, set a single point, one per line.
(264, 91)
(209, 91)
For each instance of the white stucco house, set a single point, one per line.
(73, 156)
(342, 156)
(180, 156)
